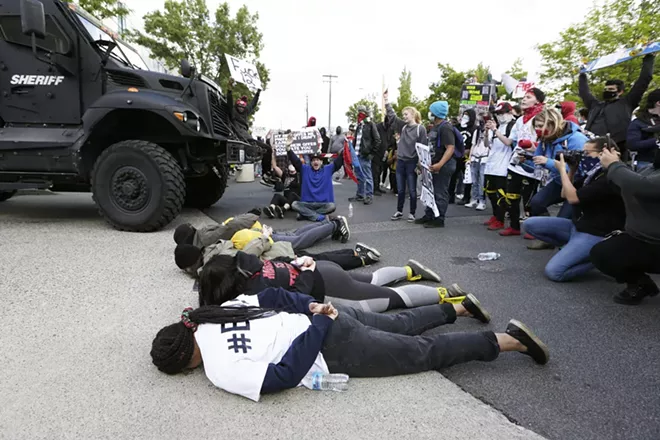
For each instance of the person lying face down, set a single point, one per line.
(259, 344)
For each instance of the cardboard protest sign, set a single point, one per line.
(305, 141)
(427, 197)
(476, 96)
(244, 72)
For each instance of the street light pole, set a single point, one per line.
(329, 81)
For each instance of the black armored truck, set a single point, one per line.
(81, 111)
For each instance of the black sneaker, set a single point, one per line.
(367, 251)
(422, 220)
(536, 349)
(269, 212)
(368, 201)
(378, 193)
(356, 199)
(455, 290)
(473, 306)
(343, 229)
(435, 224)
(279, 212)
(423, 271)
(255, 211)
(634, 294)
(266, 181)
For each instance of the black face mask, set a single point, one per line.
(608, 95)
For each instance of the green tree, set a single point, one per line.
(184, 29)
(370, 103)
(607, 27)
(406, 97)
(102, 9)
(448, 88)
(516, 70)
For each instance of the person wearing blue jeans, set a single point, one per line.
(406, 177)
(365, 188)
(367, 141)
(598, 210)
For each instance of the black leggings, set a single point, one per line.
(368, 292)
(345, 258)
(517, 187)
(495, 186)
(282, 199)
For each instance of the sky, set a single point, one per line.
(365, 43)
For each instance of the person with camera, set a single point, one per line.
(641, 141)
(598, 210)
(630, 255)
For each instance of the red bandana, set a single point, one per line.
(532, 111)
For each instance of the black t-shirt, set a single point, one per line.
(601, 209)
(273, 273)
(447, 137)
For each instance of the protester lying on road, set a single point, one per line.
(265, 343)
(188, 234)
(317, 198)
(598, 210)
(191, 259)
(224, 276)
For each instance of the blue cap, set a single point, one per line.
(440, 109)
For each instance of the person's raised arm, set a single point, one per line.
(391, 118)
(273, 164)
(295, 160)
(585, 92)
(230, 102)
(642, 83)
(299, 358)
(253, 103)
(568, 190)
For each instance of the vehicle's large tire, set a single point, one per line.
(6, 195)
(204, 191)
(138, 186)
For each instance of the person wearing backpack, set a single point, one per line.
(410, 133)
(498, 162)
(447, 148)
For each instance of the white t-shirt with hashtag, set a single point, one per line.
(236, 356)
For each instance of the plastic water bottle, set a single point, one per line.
(328, 382)
(350, 210)
(487, 256)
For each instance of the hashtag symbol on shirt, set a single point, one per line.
(239, 343)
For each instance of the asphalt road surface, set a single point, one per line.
(82, 302)
(603, 379)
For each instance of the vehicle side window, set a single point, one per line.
(55, 41)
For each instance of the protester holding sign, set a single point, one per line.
(411, 132)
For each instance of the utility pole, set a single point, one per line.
(329, 81)
(306, 108)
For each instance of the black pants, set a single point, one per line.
(385, 169)
(376, 171)
(626, 258)
(518, 187)
(267, 157)
(282, 199)
(458, 174)
(495, 190)
(345, 258)
(363, 344)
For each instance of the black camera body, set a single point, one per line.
(571, 157)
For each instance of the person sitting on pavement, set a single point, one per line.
(245, 273)
(640, 141)
(630, 255)
(291, 337)
(317, 198)
(288, 190)
(191, 259)
(598, 211)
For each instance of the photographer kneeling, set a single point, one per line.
(630, 255)
(597, 211)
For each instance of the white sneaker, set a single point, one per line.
(411, 218)
(472, 204)
(397, 216)
(459, 196)
(481, 206)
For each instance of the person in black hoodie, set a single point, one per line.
(612, 115)
(467, 126)
(639, 140)
(325, 140)
(379, 164)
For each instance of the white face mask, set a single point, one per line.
(465, 120)
(505, 118)
(431, 117)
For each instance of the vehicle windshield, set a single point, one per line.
(122, 52)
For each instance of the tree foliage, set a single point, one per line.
(607, 27)
(448, 88)
(406, 97)
(370, 103)
(184, 29)
(516, 70)
(103, 9)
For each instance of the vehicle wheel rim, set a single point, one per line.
(129, 189)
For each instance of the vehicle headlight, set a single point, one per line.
(190, 119)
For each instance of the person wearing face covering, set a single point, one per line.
(458, 190)
(639, 140)
(367, 142)
(598, 210)
(630, 255)
(612, 115)
(567, 109)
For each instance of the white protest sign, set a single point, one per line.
(244, 72)
(304, 141)
(427, 197)
(521, 88)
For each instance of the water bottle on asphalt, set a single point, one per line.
(487, 256)
(328, 382)
(350, 210)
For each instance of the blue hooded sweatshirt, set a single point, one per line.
(572, 139)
